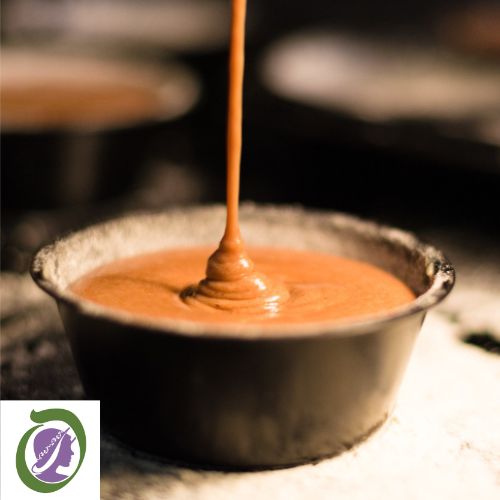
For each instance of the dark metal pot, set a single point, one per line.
(80, 163)
(242, 396)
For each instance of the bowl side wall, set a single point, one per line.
(240, 405)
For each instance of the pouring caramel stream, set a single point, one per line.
(231, 282)
(291, 287)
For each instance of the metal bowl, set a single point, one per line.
(232, 395)
(83, 161)
(382, 92)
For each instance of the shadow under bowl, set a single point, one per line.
(232, 395)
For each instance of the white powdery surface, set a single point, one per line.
(443, 442)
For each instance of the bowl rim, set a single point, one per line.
(438, 268)
(175, 75)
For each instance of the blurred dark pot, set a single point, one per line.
(242, 396)
(66, 165)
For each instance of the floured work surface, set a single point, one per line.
(441, 442)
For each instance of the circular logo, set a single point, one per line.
(50, 454)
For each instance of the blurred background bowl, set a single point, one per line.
(422, 98)
(371, 123)
(180, 26)
(76, 126)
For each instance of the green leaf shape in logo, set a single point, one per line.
(41, 417)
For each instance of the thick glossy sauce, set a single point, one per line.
(231, 276)
(320, 287)
(259, 286)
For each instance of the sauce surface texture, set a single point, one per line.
(321, 287)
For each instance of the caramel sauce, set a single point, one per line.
(231, 282)
(320, 287)
(263, 285)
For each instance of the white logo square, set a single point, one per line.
(50, 450)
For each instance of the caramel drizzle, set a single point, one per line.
(231, 281)
(235, 119)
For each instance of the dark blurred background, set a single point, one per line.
(390, 110)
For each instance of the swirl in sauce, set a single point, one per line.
(231, 282)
